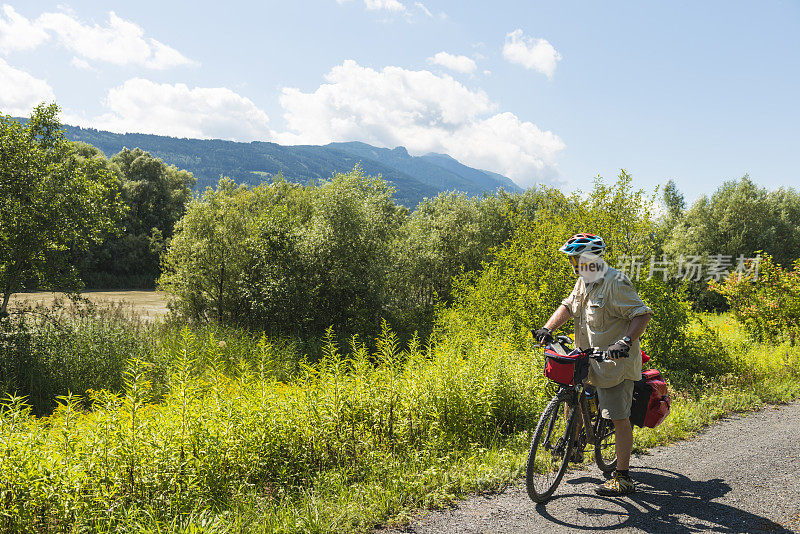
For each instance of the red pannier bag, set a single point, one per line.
(651, 401)
(565, 369)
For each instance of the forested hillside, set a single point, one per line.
(413, 177)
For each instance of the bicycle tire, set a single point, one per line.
(605, 449)
(542, 484)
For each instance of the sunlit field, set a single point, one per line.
(145, 304)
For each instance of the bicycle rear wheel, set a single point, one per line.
(550, 449)
(605, 448)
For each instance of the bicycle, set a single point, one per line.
(556, 435)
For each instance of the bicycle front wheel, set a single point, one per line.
(550, 449)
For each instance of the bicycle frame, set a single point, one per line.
(586, 418)
(570, 393)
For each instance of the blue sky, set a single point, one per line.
(554, 92)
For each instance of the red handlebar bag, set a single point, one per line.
(565, 369)
(651, 401)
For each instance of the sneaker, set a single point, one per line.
(615, 486)
(577, 454)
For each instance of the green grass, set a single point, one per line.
(244, 438)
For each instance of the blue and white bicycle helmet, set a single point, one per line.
(584, 243)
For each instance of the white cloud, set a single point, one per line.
(80, 63)
(424, 9)
(537, 54)
(423, 112)
(457, 63)
(388, 5)
(17, 32)
(20, 92)
(120, 42)
(375, 5)
(505, 144)
(144, 106)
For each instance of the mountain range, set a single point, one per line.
(413, 177)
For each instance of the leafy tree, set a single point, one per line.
(673, 200)
(156, 195)
(347, 247)
(675, 208)
(86, 152)
(739, 219)
(52, 200)
(231, 258)
(286, 258)
(445, 236)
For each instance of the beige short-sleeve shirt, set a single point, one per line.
(602, 313)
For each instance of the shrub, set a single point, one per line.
(677, 339)
(769, 304)
(49, 353)
(55, 352)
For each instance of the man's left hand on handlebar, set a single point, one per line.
(620, 349)
(543, 336)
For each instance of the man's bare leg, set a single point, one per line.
(624, 442)
(620, 483)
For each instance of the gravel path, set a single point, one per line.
(740, 475)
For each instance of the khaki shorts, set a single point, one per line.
(615, 402)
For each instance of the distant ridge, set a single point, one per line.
(414, 177)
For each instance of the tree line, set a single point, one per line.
(295, 259)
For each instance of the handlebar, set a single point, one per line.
(594, 352)
(597, 354)
(601, 355)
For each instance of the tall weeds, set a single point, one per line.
(219, 438)
(52, 353)
(77, 349)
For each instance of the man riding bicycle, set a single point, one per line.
(608, 314)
